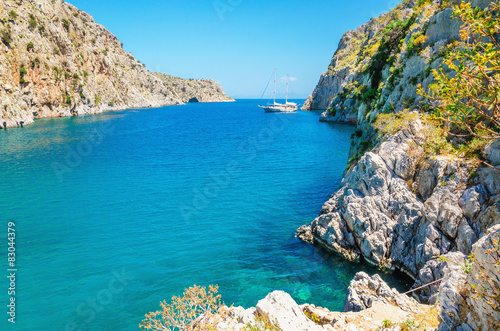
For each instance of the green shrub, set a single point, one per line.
(313, 317)
(75, 76)
(386, 323)
(6, 37)
(85, 74)
(392, 123)
(468, 99)
(32, 22)
(407, 325)
(389, 44)
(473, 149)
(29, 46)
(22, 72)
(65, 23)
(416, 42)
(369, 95)
(13, 14)
(358, 132)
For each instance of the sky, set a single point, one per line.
(237, 43)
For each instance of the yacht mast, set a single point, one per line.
(286, 95)
(274, 93)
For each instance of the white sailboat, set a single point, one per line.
(275, 107)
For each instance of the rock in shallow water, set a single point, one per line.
(365, 290)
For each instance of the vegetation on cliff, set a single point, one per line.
(469, 98)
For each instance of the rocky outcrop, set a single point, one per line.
(369, 303)
(364, 290)
(469, 294)
(401, 210)
(398, 209)
(278, 309)
(401, 205)
(372, 71)
(194, 90)
(56, 61)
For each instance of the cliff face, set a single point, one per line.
(402, 205)
(56, 61)
(194, 90)
(377, 67)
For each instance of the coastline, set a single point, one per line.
(102, 110)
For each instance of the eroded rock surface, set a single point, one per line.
(55, 60)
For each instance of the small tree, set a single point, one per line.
(469, 98)
(197, 309)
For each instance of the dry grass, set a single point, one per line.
(428, 319)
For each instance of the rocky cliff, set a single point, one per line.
(377, 67)
(406, 202)
(56, 61)
(194, 90)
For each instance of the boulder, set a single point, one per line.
(286, 312)
(492, 152)
(364, 290)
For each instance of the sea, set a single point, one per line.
(115, 212)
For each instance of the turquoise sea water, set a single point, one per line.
(118, 211)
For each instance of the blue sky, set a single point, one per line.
(238, 43)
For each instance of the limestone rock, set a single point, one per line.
(472, 200)
(304, 233)
(281, 307)
(462, 307)
(59, 62)
(442, 208)
(450, 296)
(485, 277)
(490, 178)
(364, 290)
(194, 90)
(399, 209)
(490, 216)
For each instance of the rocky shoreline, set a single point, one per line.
(403, 205)
(371, 304)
